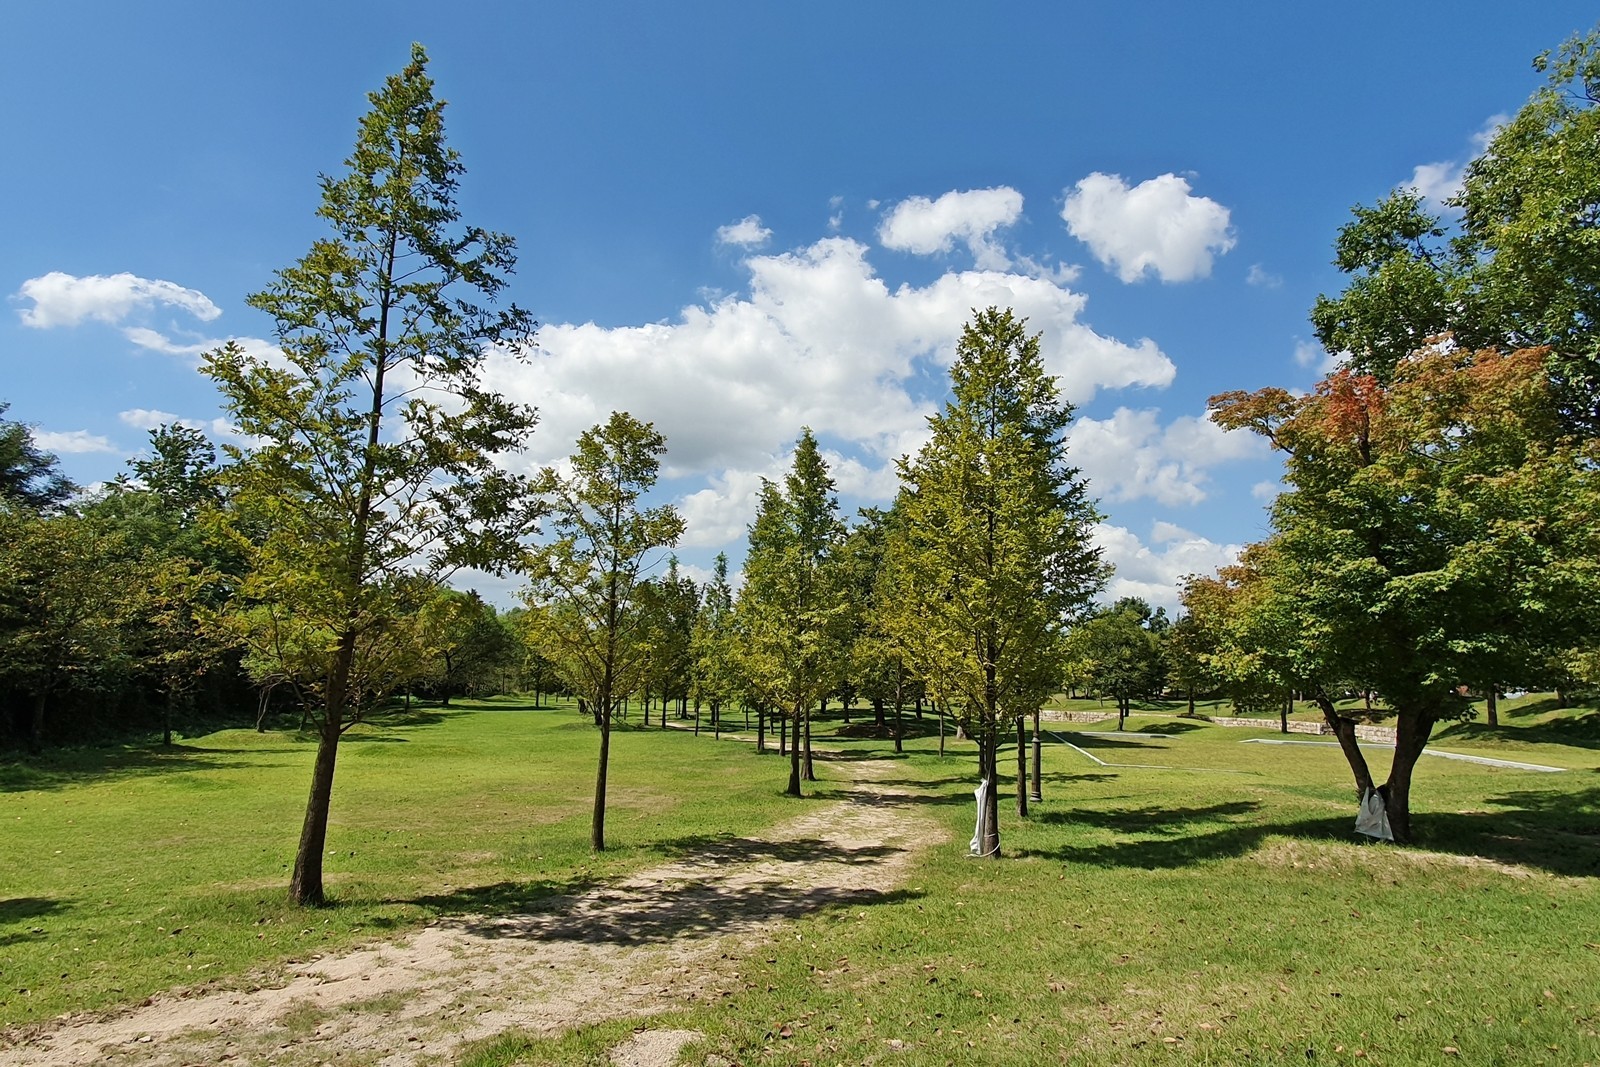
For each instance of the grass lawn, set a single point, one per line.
(127, 871)
(1192, 899)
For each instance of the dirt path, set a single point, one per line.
(667, 936)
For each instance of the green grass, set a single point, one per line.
(127, 871)
(1211, 907)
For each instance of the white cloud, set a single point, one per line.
(720, 514)
(926, 227)
(73, 442)
(1153, 226)
(1156, 575)
(156, 341)
(819, 340)
(746, 233)
(1312, 356)
(1267, 491)
(61, 299)
(1438, 182)
(150, 418)
(1131, 455)
(1261, 277)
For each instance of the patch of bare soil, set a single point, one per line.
(666, 936)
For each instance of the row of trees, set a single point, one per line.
(121, 610)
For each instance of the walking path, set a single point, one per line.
(667, 936)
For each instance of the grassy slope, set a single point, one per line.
(1215, 906)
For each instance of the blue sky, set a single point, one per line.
(738, 219)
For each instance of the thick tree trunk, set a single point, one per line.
(1191, 702)
(1492, 707)
(794, 755)
(877, 712)
(1411, 737)
(1022, 770)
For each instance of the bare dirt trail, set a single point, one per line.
(658, 940)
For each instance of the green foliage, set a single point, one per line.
(584, 584)
(1117, 653)
(1519, 267)
(791, 612)
(1437, 533)
(374, 439)
(28, 474)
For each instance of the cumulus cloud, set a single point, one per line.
(1155, 226)
(61, 299)
(1156, 574)
(815, 339)
(818, 340)
(927, 227)
(72, 442)
(1267, 491)
(746, 233)
(1132, 455)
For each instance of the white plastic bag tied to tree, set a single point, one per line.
(980, 794)
(1372, 818)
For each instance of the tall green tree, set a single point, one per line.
(1513, 265)
(1117, 653)
(995, 551)
(584, 582)
(713, 650)
(791, 607)
(1437, 532)
(376, 438)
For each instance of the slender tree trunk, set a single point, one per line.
(1191, 702)
(597, 826)
(166, 722)
(1038, 780)
(811, 772)
(697, 718)
(1022, 770)
(938, 711)
(877, 712)
(305, 882)
(1493, 707)
(991, 814)
(794, 753)
(783, 735)
(899, 727)
(761, 728)
(1283, 713)
(1344, 729)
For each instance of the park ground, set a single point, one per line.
(1186, 898)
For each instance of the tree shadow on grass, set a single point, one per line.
(1554, 831)
(68, 767)
(20, 910)
(1576, 731)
